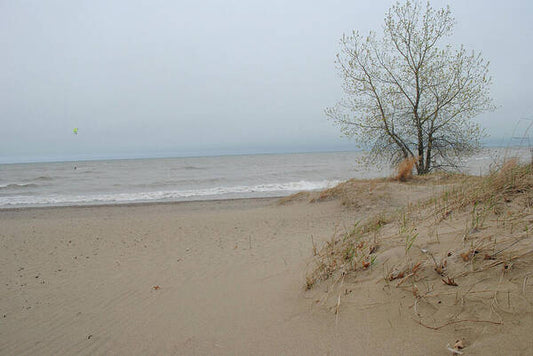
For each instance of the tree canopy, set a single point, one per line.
(407, 95)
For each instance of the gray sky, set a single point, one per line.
(142, 78)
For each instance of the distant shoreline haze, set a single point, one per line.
(177, 153)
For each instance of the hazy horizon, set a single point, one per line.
(162, 78)
(213, 152)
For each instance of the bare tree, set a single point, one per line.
(406, 95)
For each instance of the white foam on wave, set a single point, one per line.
(207, 193)
(17, 185)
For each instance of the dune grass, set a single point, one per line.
(500, 204)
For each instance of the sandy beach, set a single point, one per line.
(220, 277)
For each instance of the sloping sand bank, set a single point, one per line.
(222, 277)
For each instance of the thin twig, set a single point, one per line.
(338, 303)
(456, 322)
(521, 255)
(415, 308)
(507, 247)
(453, 351)
(404, 279)
(494, 264)
(524, 284)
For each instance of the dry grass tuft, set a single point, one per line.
(344, 191)
(511, 179)
(405, 169)
(353, 193)
(347, 252)
(510, 182)
(300, 196)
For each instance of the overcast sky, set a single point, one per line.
(141, 78)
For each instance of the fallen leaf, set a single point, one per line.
(450, 282)
(466, 256)
(441, 267)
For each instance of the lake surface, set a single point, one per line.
(195, 178)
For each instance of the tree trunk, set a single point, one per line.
(420, 166)
(428, 153)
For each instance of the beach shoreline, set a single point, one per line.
(141, 203)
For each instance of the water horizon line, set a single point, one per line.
(206, 154)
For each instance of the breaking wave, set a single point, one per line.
(13, 186)
(260, 190)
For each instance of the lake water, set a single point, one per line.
(195, 178)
